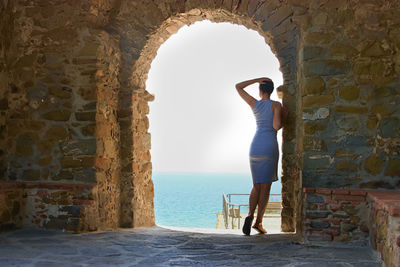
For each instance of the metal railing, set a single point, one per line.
(233, 211)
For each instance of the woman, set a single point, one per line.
(264, 152)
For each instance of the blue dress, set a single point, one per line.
(264, 152)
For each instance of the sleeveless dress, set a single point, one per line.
(264, 151)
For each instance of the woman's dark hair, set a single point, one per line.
(267, 86)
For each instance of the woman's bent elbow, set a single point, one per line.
(277, 127)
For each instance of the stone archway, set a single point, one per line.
(139, 46)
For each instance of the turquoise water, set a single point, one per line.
(194, 199)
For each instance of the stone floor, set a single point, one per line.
(158, 246)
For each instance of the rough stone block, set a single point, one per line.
(340, 214)
(381, 110)
(56, 133)
(342, 49)
(390, 127)
(85, 116)
(321, 100)
(313, 144)
(319, 225)
(90, 106)
(393, 167)
(347, 166)
(63, 175)
(313, 127)
(87, 176)
(373, 164)
(315, 199)
(325, 67)
(310, 52)
(71, 162)
(57, 115)
(351, 109)
(318, 38)
(79, 147)
(375, 50)
(45, 160)
(342, 238)
(349, 93)
(321, 113)
(315, 85)
(347, 227)
(340, 153)
(317, 162)
(60, 92)
(350, 210)
(88, 130)
(31, 175)
(315, 214)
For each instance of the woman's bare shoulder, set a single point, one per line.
(276, 104)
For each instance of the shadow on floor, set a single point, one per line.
(157, 246)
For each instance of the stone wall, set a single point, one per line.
(12, 204)
(74, 106)
(49, 97)
(350, 94)
(335, 215)
(354, 215)
(384, 225)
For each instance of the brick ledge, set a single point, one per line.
(385, 200)
(44, 185)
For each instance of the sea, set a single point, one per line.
(194, 199)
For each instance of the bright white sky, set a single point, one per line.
(198, 122)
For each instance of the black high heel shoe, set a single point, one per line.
(247, 225)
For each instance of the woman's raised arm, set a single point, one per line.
(246, 97)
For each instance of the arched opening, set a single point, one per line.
(201, 129)
(142, 204)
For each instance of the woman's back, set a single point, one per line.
(264, 116)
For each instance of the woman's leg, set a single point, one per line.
(253, 199)
(263, 196)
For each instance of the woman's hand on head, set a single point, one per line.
(264, 80)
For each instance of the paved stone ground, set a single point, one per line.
(157, 246)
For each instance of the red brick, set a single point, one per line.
(308, 190)
(335, 207)
(11, 185)
(395, 211)
(42, 193)
(324, 191)
(357, 192)
(334, 231)
(341, 192)
(329, 200)
(349, 198)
